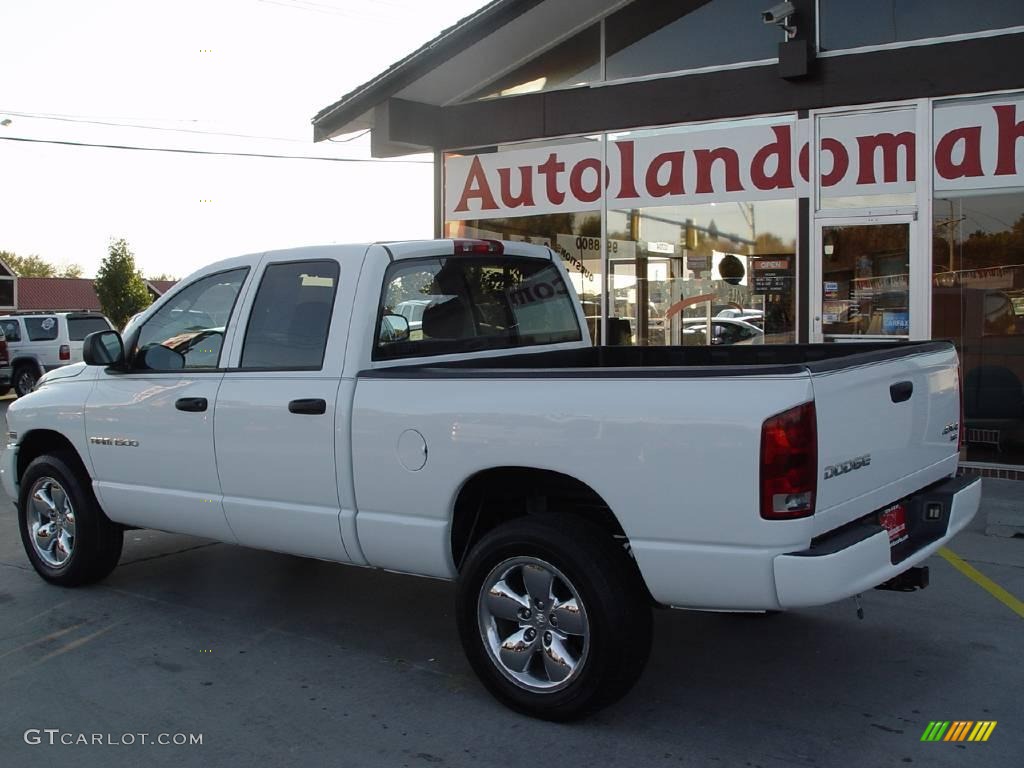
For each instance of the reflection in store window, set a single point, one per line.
(978, 302)
(865, 280)
(847, 24)
(720, 273)
(651, 36)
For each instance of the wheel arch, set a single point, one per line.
(39, 442)
(493, 496)
(26, 360)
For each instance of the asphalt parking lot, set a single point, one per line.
(274, 659)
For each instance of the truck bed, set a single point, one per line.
(683, 362)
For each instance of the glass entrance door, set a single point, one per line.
(863, 285)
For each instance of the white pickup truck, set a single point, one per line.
(278, 401)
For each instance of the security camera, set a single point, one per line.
(778, 14)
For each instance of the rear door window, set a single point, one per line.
(81, 326)
(472, 304)
(291, 316)
(41, 328)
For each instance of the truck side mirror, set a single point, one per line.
(103, 348)
(393, 328)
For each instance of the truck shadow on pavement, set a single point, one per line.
(705, 668)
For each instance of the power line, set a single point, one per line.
(89, 121)
(219, 154)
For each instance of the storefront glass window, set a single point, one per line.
(651, 37)
(576, 61)
(978, 265)
(718, 273)
(846, 24)
(978, 302)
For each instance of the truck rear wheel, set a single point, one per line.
(552, 617)
(66, 536)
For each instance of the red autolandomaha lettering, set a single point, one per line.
(576, 180)
(1009, 132)
(673, 185)
(782, 150)
(840, 161)
(705, 163)
(525, 196)
(550, 170)
(803, 161)
(627, 187)
(477, 188)
(890, 144)
(970, 165)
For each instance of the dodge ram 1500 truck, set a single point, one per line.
(279, 401)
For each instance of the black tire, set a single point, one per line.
(617, 613)
(4, 391)
(96, 542)
(24, 379)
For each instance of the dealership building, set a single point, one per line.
(815, 171)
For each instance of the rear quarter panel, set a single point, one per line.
(675, 459)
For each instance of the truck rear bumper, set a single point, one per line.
(834, 569)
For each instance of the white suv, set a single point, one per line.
(39, 343)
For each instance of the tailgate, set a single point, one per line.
(886, 428)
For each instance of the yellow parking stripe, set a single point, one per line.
(983, 581)
(988, 731)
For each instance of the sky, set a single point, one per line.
(257, 67)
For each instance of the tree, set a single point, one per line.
(119, 284)
(69, 270)
(36, 266)
(162, 277)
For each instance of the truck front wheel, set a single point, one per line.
(68, 539)
(552, 617)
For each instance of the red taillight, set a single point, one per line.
(478, 246)
(789, 463)
(65, 352)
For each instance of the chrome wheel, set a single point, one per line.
(533, 624)
(50, 520)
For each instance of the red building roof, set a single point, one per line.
(61, 294)
(162, 286)
(56, 294)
